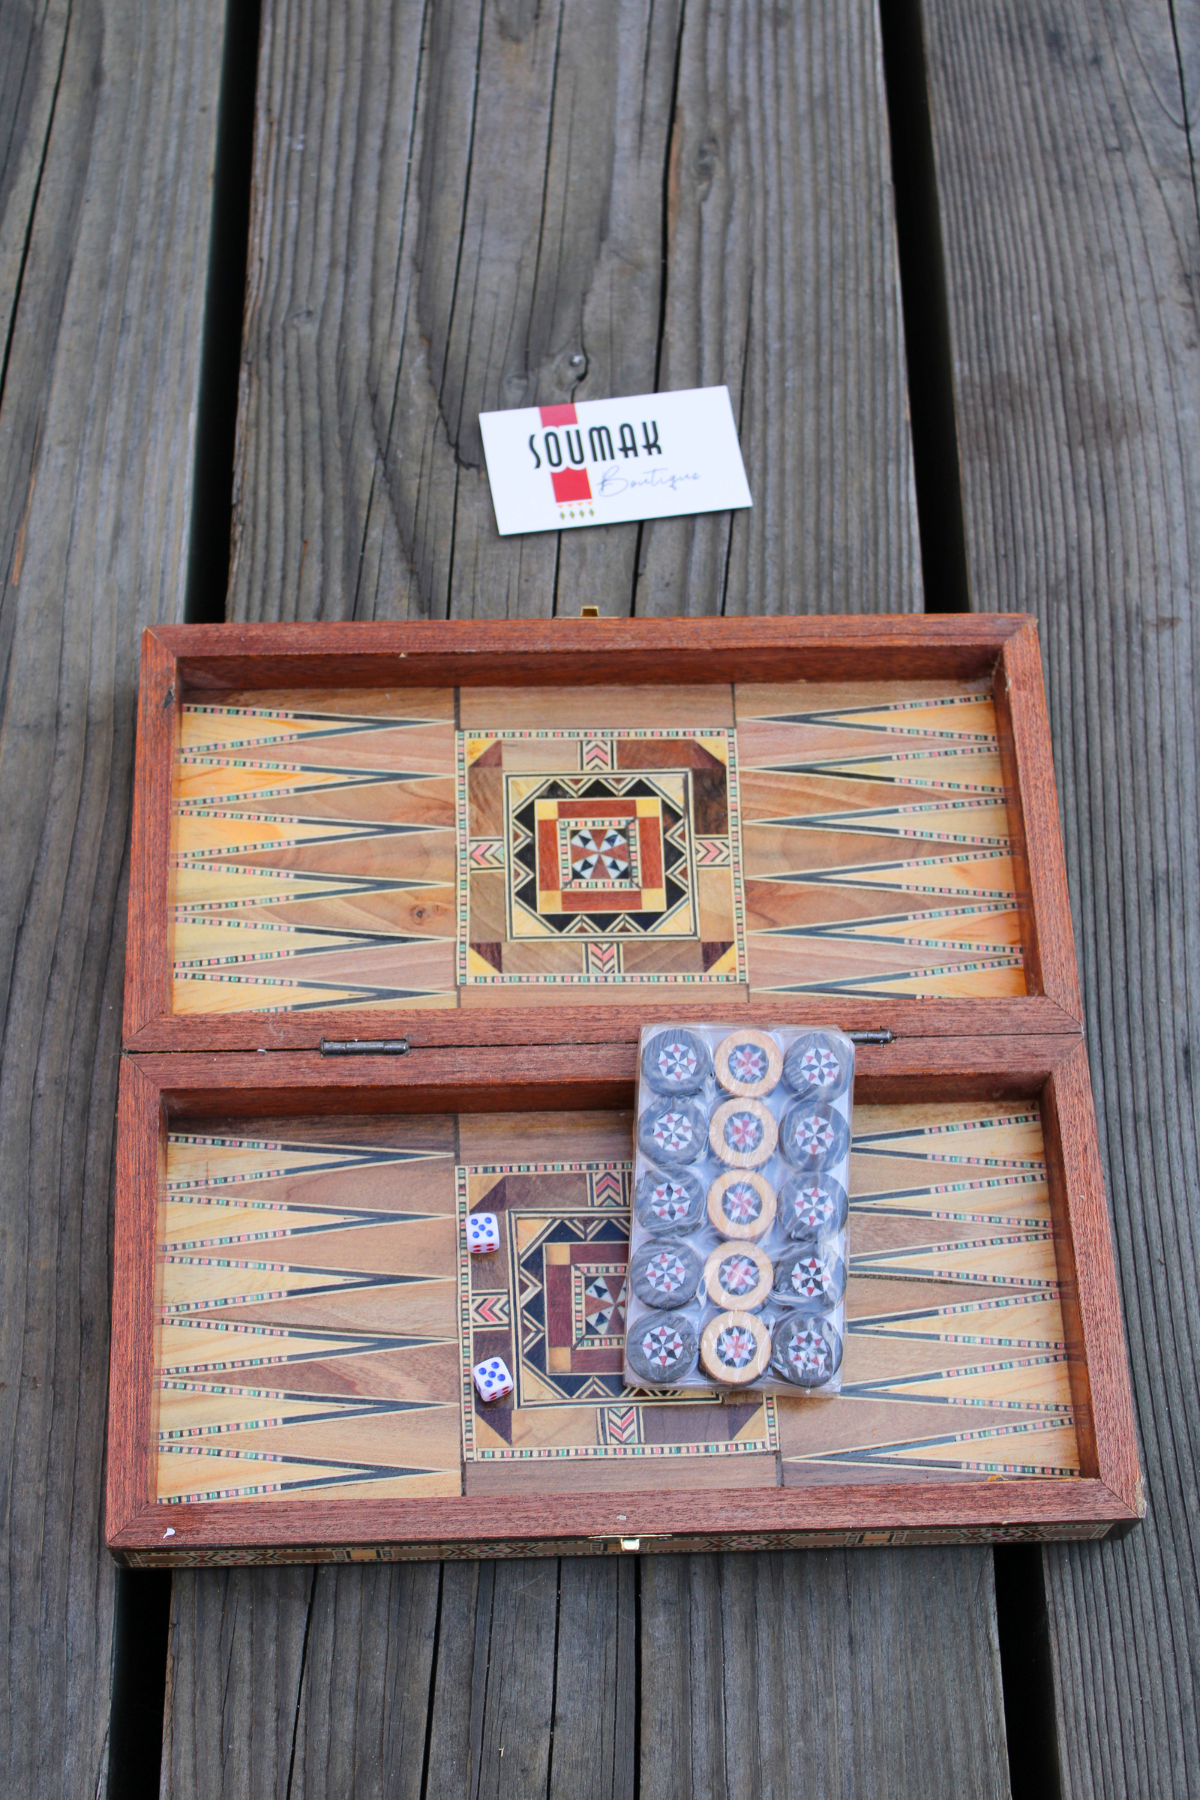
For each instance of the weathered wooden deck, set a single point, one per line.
(484, 203)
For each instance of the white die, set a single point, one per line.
(483, 1233)
(492, 1379)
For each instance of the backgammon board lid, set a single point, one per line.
(449, 833)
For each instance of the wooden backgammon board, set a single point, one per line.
(367, 992)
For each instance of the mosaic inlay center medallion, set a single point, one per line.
(600, 856)
(604, 856)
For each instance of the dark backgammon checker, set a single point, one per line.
(739, 1218)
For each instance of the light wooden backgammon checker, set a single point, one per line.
(403, 897)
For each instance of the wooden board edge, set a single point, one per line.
(507, 1078)
(982, 1537)
(131, 1411)
(1095, 1302)
(466, 652)
(949, 1512)
(148, 949)
(1068, 1282)
(1006, 700)
(1021, 702)
(909, 1020)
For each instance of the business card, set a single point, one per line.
(603, 462)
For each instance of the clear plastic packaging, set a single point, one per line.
(737, 1249)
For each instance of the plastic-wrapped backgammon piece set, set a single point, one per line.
(737, 1254)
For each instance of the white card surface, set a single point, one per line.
(602, 462)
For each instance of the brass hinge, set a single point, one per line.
(364, 1046)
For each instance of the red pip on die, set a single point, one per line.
(483, 1233)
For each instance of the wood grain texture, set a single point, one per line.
(140, 1173)
(595, 1744)
(546, 1653)
(1068, 206)
(862, 1472)
(529, 652)
(224, 962)
(1089, 1279)
(107, 120)
(235, 1674)
(454, 1669)
(343, 1238)
(1028, 759)
(378, 1628)
(470, 207)
(848, 839)
(919, 1021)
(497, 1078)
(787, 1674)
(147, 978)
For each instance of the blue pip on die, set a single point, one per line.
(492, 1378)
(483, 1233)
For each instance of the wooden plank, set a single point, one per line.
(535, 1688)
(488, 1717)
(1068, 208)
(107, 121)
(235, 1673)
(780, 281)
(513, 1635)
(497, 1629)
(596, 1701)
(381, 1623)
(477, 207)
(811, 1673)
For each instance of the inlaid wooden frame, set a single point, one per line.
(1106, 1497)
(201, 662)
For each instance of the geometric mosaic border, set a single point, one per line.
(597, 758)
(619, 1415)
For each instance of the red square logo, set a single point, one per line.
(571, 484)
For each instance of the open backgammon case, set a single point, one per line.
(366, 995)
